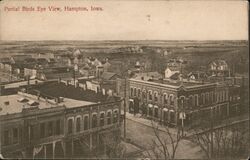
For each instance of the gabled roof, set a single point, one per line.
(108, 75)
(218, 62)
(5, 60)
(18, 58)
(175, 76)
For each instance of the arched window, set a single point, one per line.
(196, 102)
(207, 98)
(190, 101)
(203, 98)
(102, 115)
(131, 92)
(150, 97)
(171, 99)
(70, 126)
(144, 95)
(135, 92)
(211, 97)
(94, 120)
(156, 97)
(86, 122)
(139, 92)
(115, 120)
(165, 97)
(109, 117)
(78, 124)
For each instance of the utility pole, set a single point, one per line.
(125, 103)
(211, 132)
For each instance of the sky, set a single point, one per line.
(126, 20)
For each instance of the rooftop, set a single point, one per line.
(56, 89)
(12, 104)
(172, 83)
(21, 83)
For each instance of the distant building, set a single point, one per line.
(197, 76)
(169, 71)
(218, 68)
(20, 58)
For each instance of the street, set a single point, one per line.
(142, 136)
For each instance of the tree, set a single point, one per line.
(114, 146)
(164, 146)
(227, 142)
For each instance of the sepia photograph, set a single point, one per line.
(124, 79)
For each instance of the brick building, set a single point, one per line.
(163, 100)
(38, 125)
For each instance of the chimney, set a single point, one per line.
(7, 103)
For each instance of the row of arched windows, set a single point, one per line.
(151, 95)
(83, 124)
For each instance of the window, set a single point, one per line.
(196, 103)
(94, 120)
(207, 98)
(203, 98)
(190, 101)
(42, 130)
(50, 128)
(165, 98)
(156, 97)
(144, 95)
(109, 118)
(150, 95)
(58, 127)
(134, 91)
(15, 135)
(156, 112)
(211, 97)
(171, 100)
(6, 137)
(139, 93)
(131, 92)
(78, 124)
(31, 132)
(70, 126)
(165, 116)
(115, 120)
(102, 119)
(86, 123)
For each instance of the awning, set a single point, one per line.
(131, 100)
(171, 110)
(165, 109)
(156, 106)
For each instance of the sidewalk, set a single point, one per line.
(137, 118)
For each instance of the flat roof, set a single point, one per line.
(55, 89)
(12, 104)
(173, 84)
(21, 83)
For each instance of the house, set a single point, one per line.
(148, 75)
(20, 58)
(218, 68)
(197, 75)
(169, 71)
(107, 76)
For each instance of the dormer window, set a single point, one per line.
(22, 100)
(33, 103)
